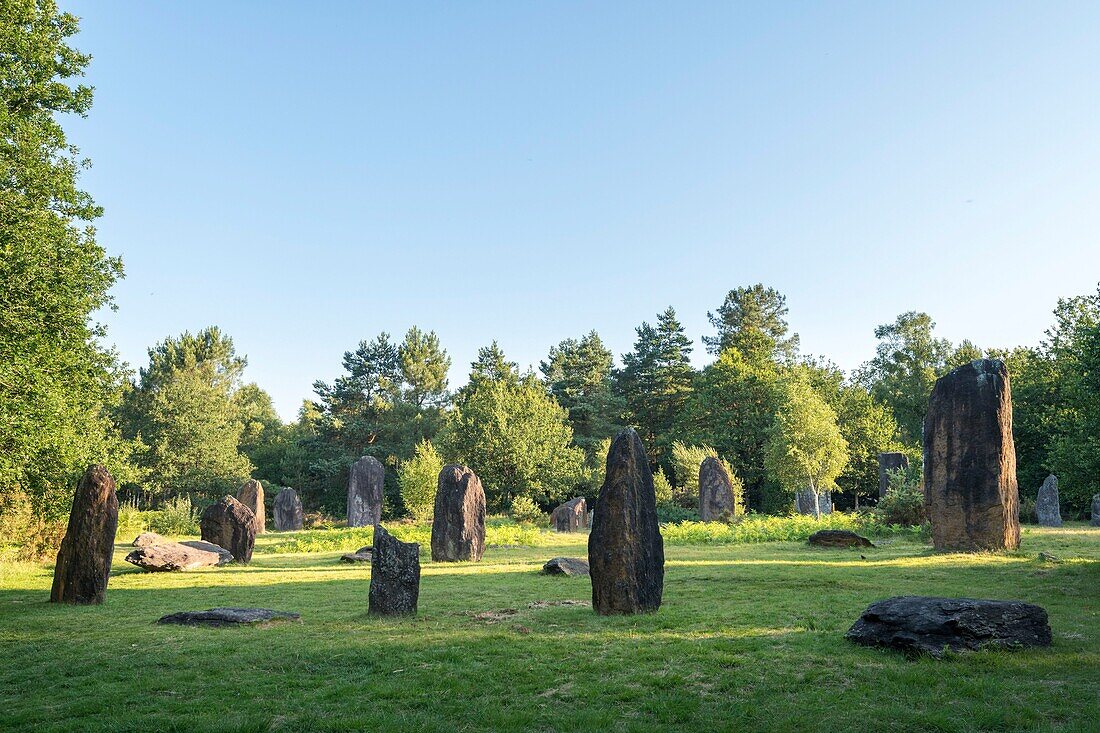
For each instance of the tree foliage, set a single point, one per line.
(578, 373)
(753, 318)
(419, 478)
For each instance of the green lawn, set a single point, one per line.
(750, 637)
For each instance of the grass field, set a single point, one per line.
(750, 637)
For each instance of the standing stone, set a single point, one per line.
(230, 524)
(394, 575)
(251, 494)
(1095, 522)
(715, 492)
(804, 502)
(970, 490)
(365, 492)
(626, 554)
(888, 462)
(572, 516)
(84, 560)
(287, 511)
(458, 528)
(1047, 508)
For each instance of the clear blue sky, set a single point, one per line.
(305, 175)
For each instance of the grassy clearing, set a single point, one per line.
(749, 638)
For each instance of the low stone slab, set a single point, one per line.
(570, 566)
(929, 625)
(179, 556)
(363, 554)
(228, 617)
(145, 539)
(838, 538)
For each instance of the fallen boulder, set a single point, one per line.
(228, 617)
(838, 538)
(570, 566)
(363, 554)
(179, 556)
(929, 625)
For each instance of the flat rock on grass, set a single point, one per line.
(838, 538)
(179, 556)
(928, 625)
(228, 617)
(363, 554)
(571, 566)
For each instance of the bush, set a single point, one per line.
(686, 461)
(1027, 509)
(761, 528)
(498, 531)
(526, 511)
(130, 516)
(904, 500)
(175, 518)
(662, 487)
(24, 534)
(418, 478)
(670, 512)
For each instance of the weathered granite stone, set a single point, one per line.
(572, 516)
(1047, 507)
(838, 538)
(251, 494)
(178, 556)
(394, 575)
(84, 560)
(287, 511)
(363, 554)
(145, 539)
(230, 524)
(804, 502)
(458, 527)
(626, 553)
(570, 566)
(920, 624)
(970, 491)
(888, 462)
(365, 481)
(228, 617)
(716, 503)
(1095, 522)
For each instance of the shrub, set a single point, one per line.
(498, 531)
(686, 460)
(175, 518)
(762, 528)
(130, 516)
(662, 487)
(24, 534)
(526, 511)
(418, 478)
(904, 500)
(670, 512)
(1027, 509)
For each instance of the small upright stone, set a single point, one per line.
(287, 511)
(1047, 507)
(1095, 522)
(458, 527)
(572, 516)
(970, 490)
(716, 503)
(230, 524)
(804, 502)
(394, 575)
(251, 494)
(626, 554)
(888, 462)
(365, 492)
(84, 560)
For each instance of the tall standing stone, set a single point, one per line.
(230, 524)
(572, 516)
(365, 492)
(1048, 510)
(625, 551)
(251, 494)
(287, 511)
(394, 575)
(804, 502)
(458, 527)
(888, 462)
(716, 503)
(1095, 521)
(84, 560)
(970, 491)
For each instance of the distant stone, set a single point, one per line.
(287, 511)
(365, 480)
(251, 494)
(178, 556)
(970, 491)
(626, 554)
(1047, 507)
(572, 516)
(920, 624)
(458, 527)
(363, 554)
(570, 566)
(804, 502)
(838, 538)
(888, 462)
(1048, 557)
(84, 560)
(716, 502)
(145, 539)
(230, 524)
(1095, 511)
(394, 575)
(228, 617)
